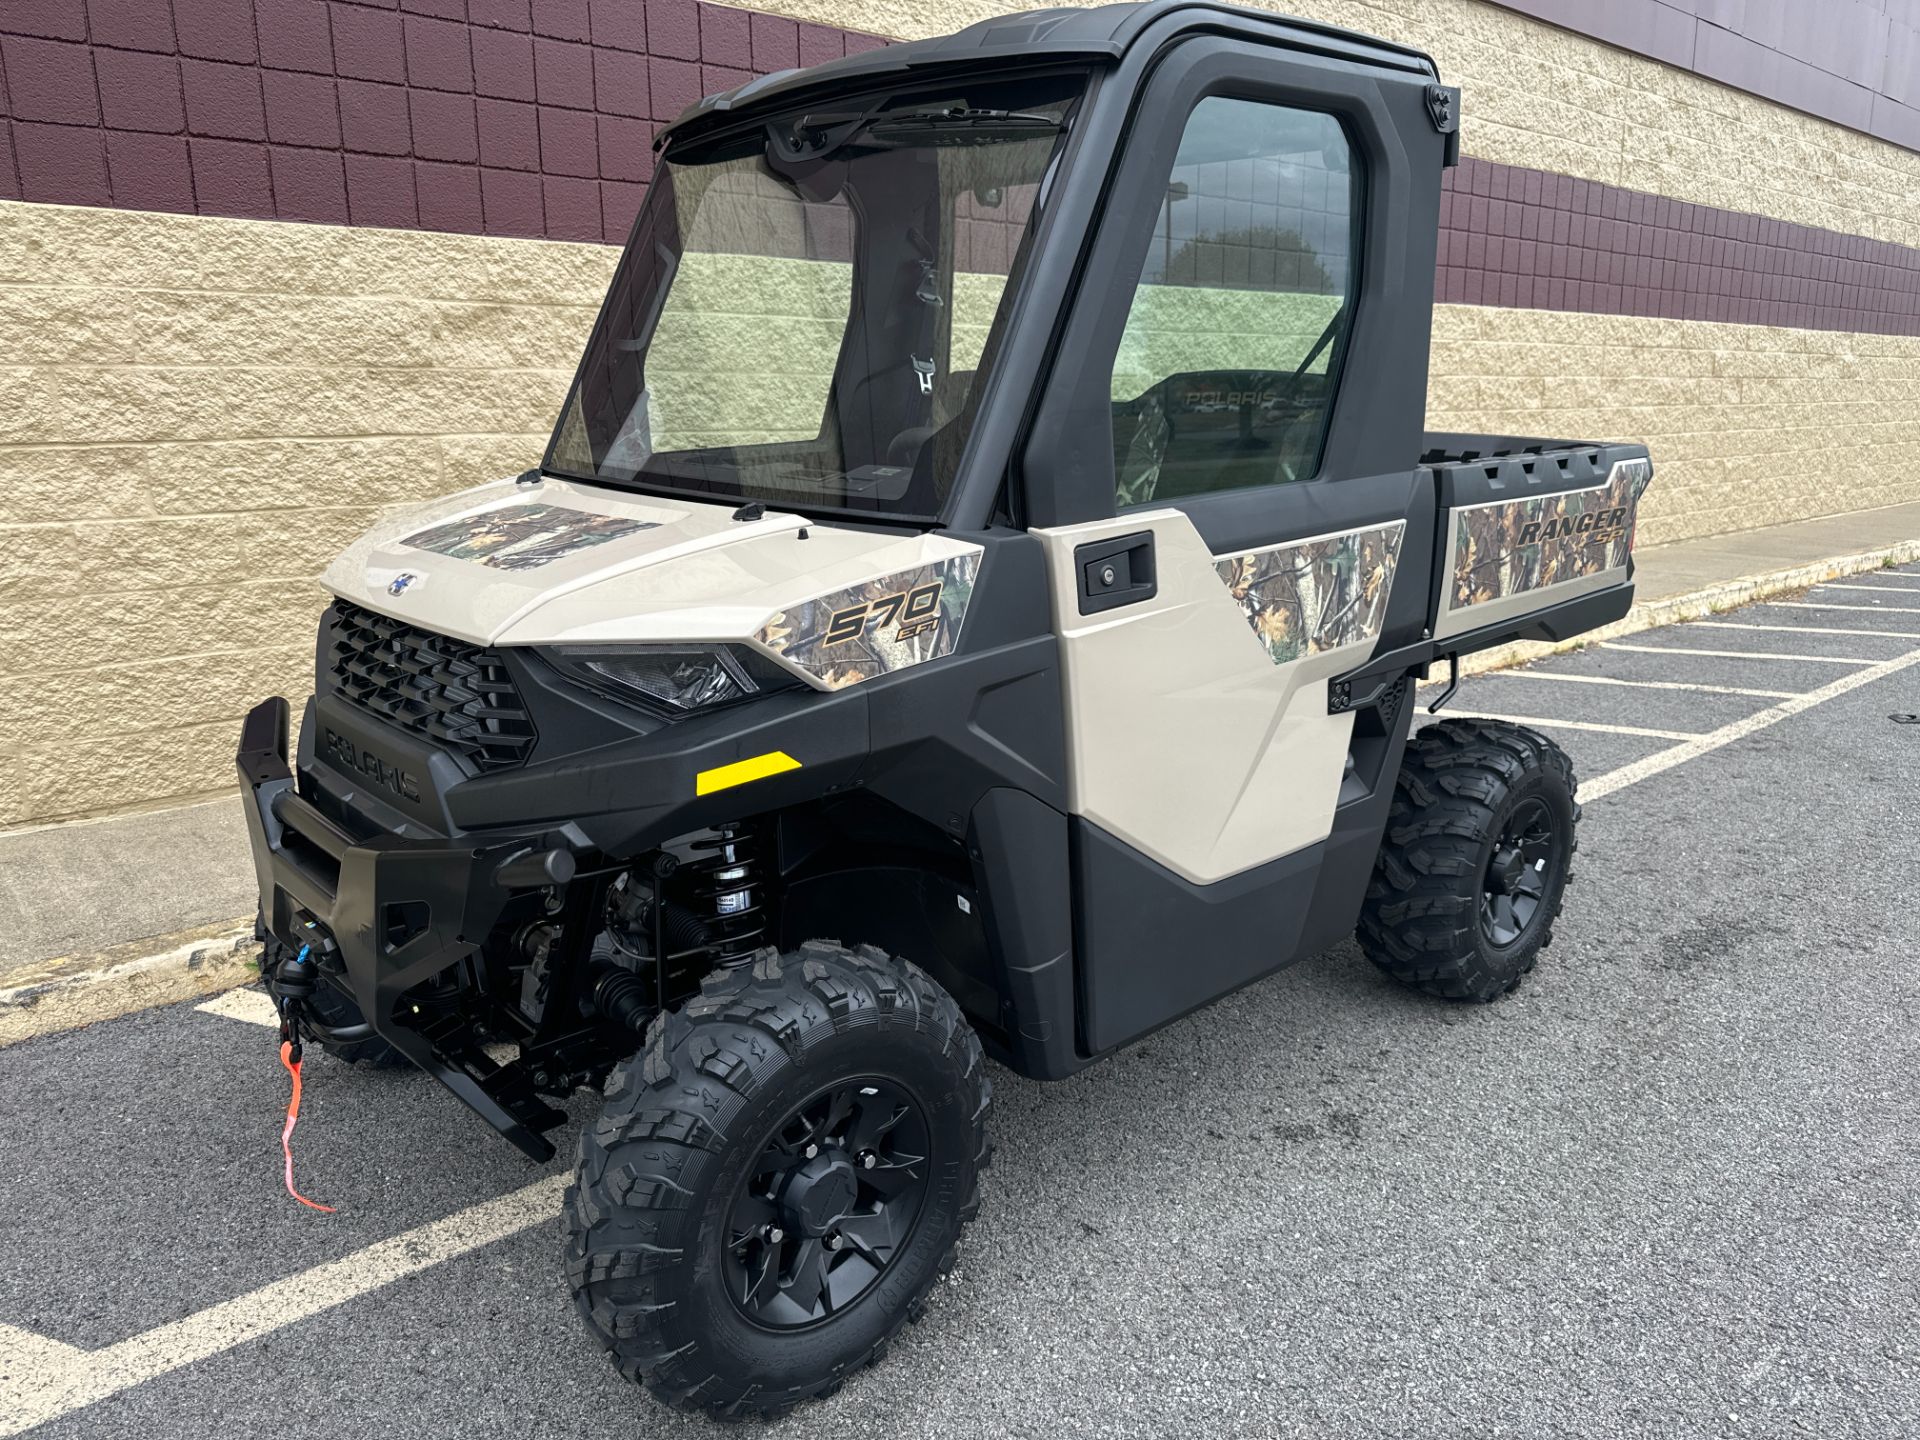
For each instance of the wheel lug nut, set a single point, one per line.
(833, 1241)
(775, 1234)
(811, 1151)
(868, 1159)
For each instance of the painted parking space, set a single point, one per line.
(1353, 1186)
(1797, 642)
(247, 1004)
(1593, 752)
(203, 1094)
(1549, 693)
(1701, 662)
(1769, 661)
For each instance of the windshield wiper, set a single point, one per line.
(950, 125)
(960, 125)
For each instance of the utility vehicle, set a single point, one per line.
(969, 607)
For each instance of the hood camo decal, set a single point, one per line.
(873, 629)
(523, 537)
(1316, 595)
(1509, 547)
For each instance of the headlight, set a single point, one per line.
(672, 677)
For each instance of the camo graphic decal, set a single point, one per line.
(1512, 546)
(876, 628)
(522, 537)
(1316, 595)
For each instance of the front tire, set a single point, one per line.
(778, 1179)
(1476, 859)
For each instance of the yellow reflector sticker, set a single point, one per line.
(774, 762)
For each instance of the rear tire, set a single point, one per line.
(1475, 861)
(730, 1233)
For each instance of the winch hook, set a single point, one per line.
(294, 981)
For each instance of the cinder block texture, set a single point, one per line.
(1851, 61)
(1548, 99)
(195, 414)
(1749, 425)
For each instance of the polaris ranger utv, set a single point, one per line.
(970, 603)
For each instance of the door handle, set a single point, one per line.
(1115, 572)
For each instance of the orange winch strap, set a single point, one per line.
(286, 1133)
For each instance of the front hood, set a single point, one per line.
(558, 562)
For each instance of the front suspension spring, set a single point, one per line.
(722, 890)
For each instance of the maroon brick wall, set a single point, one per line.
(503, 117)
(1510, 236)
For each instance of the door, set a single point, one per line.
(1224, 474)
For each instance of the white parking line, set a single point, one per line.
(1545, 724)
(1640, 684)
(245, 1004)
(1883, 587)
(1806, 630)
(42, 1379)
(1633, 774)
(1823, 605)
(1740, 654)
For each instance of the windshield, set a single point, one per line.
(805, 313)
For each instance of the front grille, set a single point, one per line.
(458, 696)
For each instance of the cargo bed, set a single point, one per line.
(1528, 525)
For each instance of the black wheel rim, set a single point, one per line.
(1522, 864)
(828, 1204)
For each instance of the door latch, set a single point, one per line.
(1115, 572)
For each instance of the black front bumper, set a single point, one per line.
(389, 912)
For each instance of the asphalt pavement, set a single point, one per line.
(1670, 1187)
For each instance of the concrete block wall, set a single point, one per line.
(1749, 425)
(195, 413)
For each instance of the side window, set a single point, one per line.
(1223, 379)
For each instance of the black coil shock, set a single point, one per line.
(721, 890)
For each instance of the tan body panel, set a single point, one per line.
(1191, 735)
(564, 563)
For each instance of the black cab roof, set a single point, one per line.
(1097, 33)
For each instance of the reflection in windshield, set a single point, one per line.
(803, 318)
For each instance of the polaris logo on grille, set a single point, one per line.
(351, 758)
